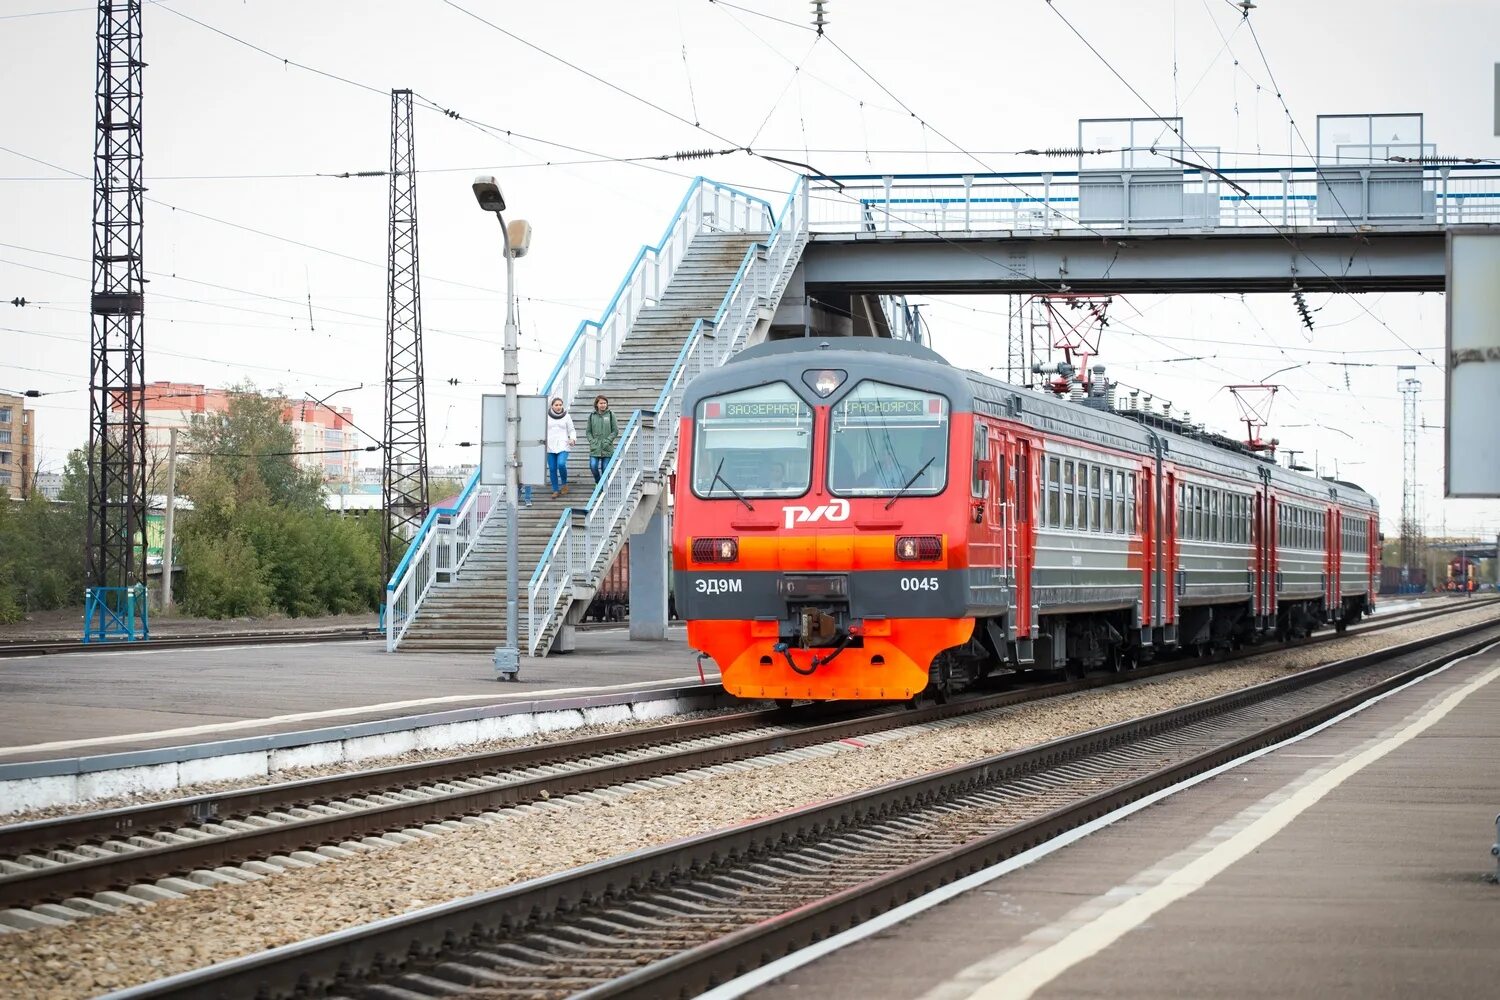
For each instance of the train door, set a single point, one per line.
(1146, 525)
(1021, 538)
(1272, 557)
(1259, 573)
(1333, 558)
(1170, 574)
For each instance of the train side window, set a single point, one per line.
(1070, 486)
(1120, 503)
(1094, 522)
(1215, 526)
(1054, 496)
(1108, 496)
(1130, 502)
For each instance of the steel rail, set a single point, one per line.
(406, 946)
(57, 882)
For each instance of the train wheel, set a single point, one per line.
(940, 682)
(783, 703)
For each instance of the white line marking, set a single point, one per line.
(774, 970)
(337, 713)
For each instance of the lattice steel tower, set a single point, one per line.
(1410, 530)
(405, 479)
(116, 544)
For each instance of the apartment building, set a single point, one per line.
(17, 446)
(324, 433)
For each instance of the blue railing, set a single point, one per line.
(1147, 197)
(643, 282)
(427, 522)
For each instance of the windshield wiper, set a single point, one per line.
(720, 479)
(914, 477)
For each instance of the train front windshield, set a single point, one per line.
(887, 439)
(752, 443)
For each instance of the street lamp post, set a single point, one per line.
(487, 193)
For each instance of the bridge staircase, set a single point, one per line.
(688, 303)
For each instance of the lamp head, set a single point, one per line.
(519, 234)
(487, 193)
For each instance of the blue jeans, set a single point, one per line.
(596, 466)
(557, 469)
(526, 494)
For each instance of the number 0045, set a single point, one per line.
(919, 583)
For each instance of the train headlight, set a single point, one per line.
(716, 549)
(919, 548)
(824, 381)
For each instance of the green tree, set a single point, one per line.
(259, 538)
(41, 547)
(251, 446)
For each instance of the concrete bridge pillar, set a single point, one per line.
(650, 558)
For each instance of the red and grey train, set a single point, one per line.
(859, 519)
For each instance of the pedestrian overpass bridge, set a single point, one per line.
(835, 258)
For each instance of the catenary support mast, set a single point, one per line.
(115, 543)
(405, 451)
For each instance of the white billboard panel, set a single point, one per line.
(492, 439)
(1472, 424)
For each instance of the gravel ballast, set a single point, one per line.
(111, 952)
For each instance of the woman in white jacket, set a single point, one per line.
(560, 437)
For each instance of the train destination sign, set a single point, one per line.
(892, 407)
(788, 409)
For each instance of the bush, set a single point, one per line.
(223, 578)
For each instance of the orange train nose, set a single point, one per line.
(888, 667)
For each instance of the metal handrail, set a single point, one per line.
(647, 445)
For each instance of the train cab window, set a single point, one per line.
(1054, 493)
(887, 439)
(1070, 490)
(754, 442)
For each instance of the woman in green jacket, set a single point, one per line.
(602, 434)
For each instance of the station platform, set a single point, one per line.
(1353, 862)
(76, 713)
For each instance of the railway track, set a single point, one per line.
(81, 865)
(678, 919)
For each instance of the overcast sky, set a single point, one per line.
(240, 138)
